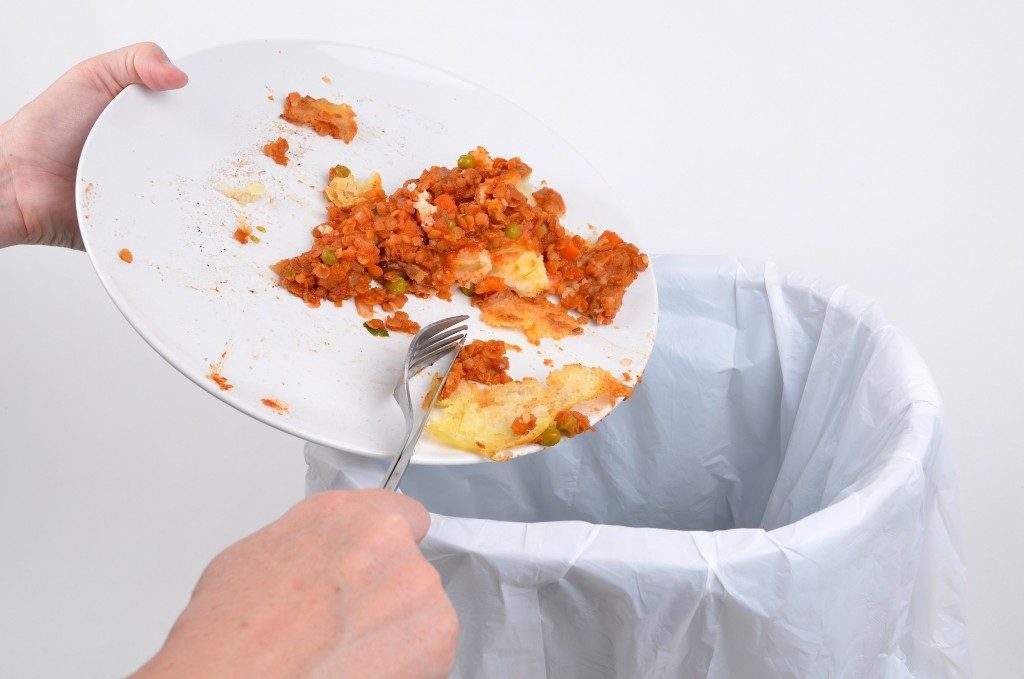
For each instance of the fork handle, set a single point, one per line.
(401, 463)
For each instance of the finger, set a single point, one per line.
(143, 63)
(389, 501)
(157, 71)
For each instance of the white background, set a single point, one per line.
(880, 144)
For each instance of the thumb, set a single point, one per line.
(143, 63)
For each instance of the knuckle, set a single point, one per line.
(434, 577)
(384, 532)
(393, 527)
(225, 555)
(424, 581)
(218, 565)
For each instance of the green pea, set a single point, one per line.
(254, 239)
(328, 257)
(468, 291)
(289, 273)
(551, 436)
(513, 231)
(452, 224)
(466, 161)
(396, 286)
(341, 171)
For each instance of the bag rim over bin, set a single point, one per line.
(799, 438)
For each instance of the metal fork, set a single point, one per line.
(431, 343)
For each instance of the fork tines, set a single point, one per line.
(434, 341)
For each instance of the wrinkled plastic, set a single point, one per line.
(777, 499)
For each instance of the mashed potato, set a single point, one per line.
(484, 419)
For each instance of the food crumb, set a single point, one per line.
(326, 79)
(375, 327)
(243, 234)
(243, 195)
(276, 150)
(126, 255)
(261, 229)
(399, 322)
(524, 423)
(215, 373)
(220, 380)
(625, 376)
(325, 117)
(274, 405)
(548, 362)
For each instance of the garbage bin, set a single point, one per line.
(776, 499)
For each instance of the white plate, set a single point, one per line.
(148, 178)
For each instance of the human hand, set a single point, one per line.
(40, 145)
(336, 587)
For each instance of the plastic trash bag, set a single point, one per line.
(777, 499)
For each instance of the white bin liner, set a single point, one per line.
(776, 500)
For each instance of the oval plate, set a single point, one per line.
(148, 181)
